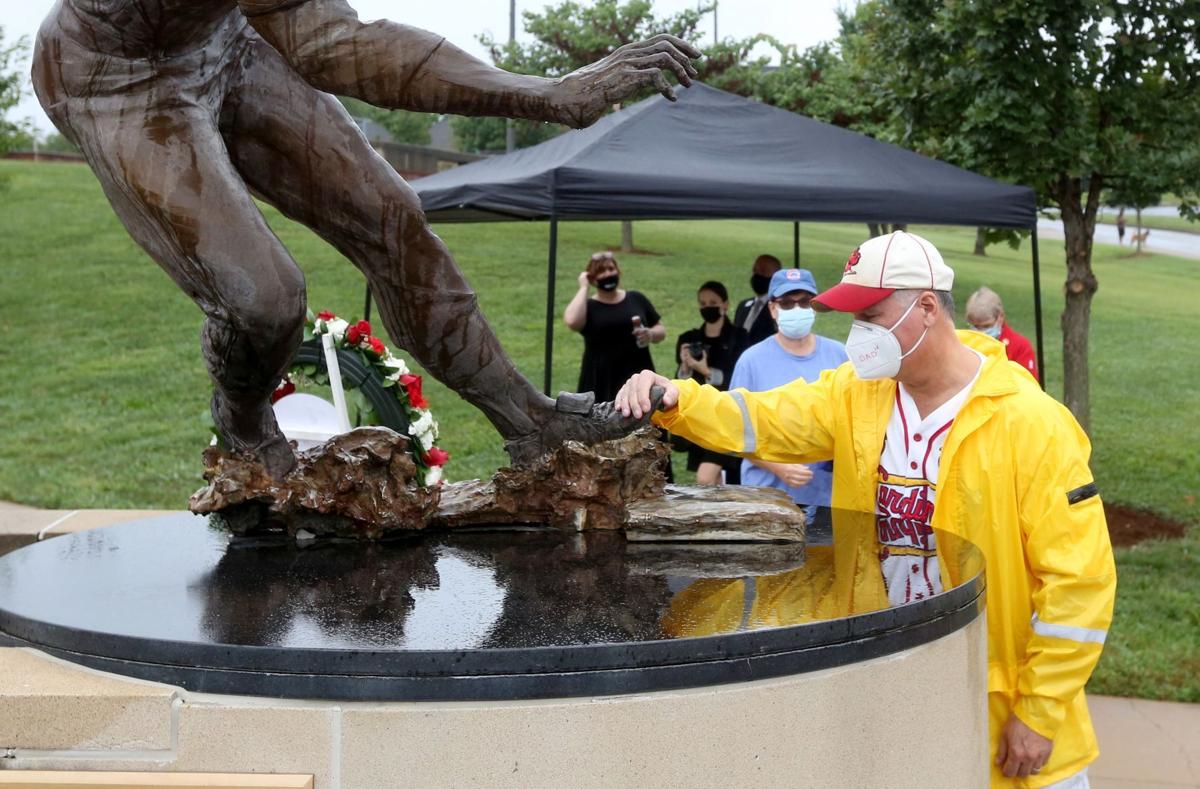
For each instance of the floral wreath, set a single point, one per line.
(357, 337)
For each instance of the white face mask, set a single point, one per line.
(874, 351)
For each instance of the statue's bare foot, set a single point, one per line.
(259, 437)
(576, 417)
(276, 456)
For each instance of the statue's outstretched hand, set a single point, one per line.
(583, 95)
(635, 397)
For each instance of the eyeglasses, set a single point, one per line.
(604, 256)
(787, 303)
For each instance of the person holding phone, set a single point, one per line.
(707, 355)
(617, 325)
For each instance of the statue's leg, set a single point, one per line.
(165, 170)
(299, 149)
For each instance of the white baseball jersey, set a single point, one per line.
(908, 471)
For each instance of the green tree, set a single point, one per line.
(404, 126)
(1067, 96)
(13, 134)
(56, 143)
(567, 36)
(489, 135)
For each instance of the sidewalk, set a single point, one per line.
(20, 524)
(1143, 744)
(1166, 242)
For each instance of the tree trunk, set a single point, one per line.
(627, 236)
(1140, 238)
(981, 241)
(1079, 225)
(873, 229)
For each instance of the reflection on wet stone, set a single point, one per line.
(475, 613)
(471, 589)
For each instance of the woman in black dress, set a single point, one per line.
(707, 355)
(617, 326)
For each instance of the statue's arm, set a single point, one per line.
(394, 65)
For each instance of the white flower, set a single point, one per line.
(396, 365)
(318, 326)
(337, 327)
(424, 430)
(433, 476)
(422, 424)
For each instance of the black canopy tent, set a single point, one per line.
(715, 155)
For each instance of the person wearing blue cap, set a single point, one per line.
(794, 351)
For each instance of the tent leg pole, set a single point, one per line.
(1037, 308)
(795, 245)
(551, 270)
(367, 305)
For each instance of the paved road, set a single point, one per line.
(1154, 210)
(1167, 242)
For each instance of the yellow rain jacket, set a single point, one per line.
(1013, 480)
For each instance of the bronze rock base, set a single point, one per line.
(360, 485)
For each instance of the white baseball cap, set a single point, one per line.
(883, 265)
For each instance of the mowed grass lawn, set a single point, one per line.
(103, 387)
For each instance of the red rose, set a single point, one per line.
(284, 389)
(353, 335)
(412, 384)
(364, 328)
(377, 345)
(325, 315)
(436, 457)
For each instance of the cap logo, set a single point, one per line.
(793, 273)
(852, 261)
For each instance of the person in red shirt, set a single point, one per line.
(985, 313)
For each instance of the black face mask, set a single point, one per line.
(710, 314)
(608, 283)
(759, 284)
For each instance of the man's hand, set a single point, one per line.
(584, 95)
(796, 475)
(1022, 750)
(634, 397)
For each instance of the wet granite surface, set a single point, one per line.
(170, 595)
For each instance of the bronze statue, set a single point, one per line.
(184, 107)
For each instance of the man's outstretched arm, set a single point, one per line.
(394, 65)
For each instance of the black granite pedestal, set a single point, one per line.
(480, 615)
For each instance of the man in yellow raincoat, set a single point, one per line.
(930, 428)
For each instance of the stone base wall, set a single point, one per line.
(917, 718)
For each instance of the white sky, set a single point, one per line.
(800, 22)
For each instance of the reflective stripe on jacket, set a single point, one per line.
(1014, 480)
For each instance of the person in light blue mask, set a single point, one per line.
(794, 351)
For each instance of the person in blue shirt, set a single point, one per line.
(794, 351)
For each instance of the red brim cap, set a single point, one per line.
(847, 297)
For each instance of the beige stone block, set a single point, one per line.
(1146, 741)
(82, 520)
(1121, 783)
(19, 519)
(842, 727)
(76, 779)
(257, 735)
(53, 705)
